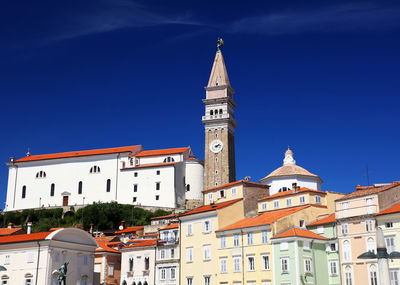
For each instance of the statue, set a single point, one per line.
(62, 277)
(220, 43)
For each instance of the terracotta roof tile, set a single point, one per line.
(162, 151)
(103, 247)
(129, 230)
(298, 232)
(264, 218)
(173, 215)
(368, 190)
(7, 231)
(290, 192)
(171, 226)
(248, 183)
(148, 242)
(326, 220)
(391, 210)
(212, 207)
(24, 237)
(79, 153)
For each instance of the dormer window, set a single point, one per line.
(283, 189)
(169, 159)
(95, 169)
(41, 174)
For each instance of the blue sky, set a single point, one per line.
(320, 76)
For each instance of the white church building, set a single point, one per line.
(163, 178)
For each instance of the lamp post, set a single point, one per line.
(382, 256)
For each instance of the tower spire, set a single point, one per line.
(289, 160)
(219, 75)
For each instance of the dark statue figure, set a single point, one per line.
(220, 43)
(62, 277)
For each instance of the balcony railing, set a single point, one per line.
(168, 241)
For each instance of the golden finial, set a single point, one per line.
(220, 43)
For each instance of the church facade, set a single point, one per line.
(163, 178)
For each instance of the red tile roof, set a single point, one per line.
(103, 247)
(391, 210)
(171, 226)
(248, 183)
(326, 220)
(298, 232)
(151, 165)
(162, 151)
(129, 230)
(148, 242)
(7, 231)
(290, 192)
(212, 207)
(79, 153)
(264, 218)
(24, 237)
(173, 215)
(368, 190)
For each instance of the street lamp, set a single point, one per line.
(382, 256)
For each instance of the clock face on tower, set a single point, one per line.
(216, 146)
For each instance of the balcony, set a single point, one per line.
(168, 241)
(213, 117)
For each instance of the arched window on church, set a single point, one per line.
(146, 263)
(23, 192)
(41, 174)
(188, 187)
(283, 189)
(95, 169)
(169, 159)
(108, 185)
(216, 112)
(80, 187)
(211, 112)
(52, 188)
(220, 111)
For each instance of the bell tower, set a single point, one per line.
(219, 126)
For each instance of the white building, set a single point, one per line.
(167, 258)
(36, 258)
(167, 178)
(283, 178)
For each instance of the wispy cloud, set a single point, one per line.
(343, 18)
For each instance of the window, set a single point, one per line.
(135, 174)
(158, 172)
(163, 274)
(80, 187)
(346, 250)
(284, 265)
(189, 254)
(130, 264)
(223, 265)
(135, 187)
(276, 204)
(157, 197)
(265, 262)
(207, 280)
(169, 159)
(206, 226)
(250, 238)
(302, 199)
(345, 229)
(52, 188)
(306, 245)
(23, 192)
(95, 169)
(158, 185)
(288, 202)
(146, 263)
(390, 244)
(307, 265)
(333, 267)
(28, 281)
(85, 259)
(389, 225)
(162, 254)
(172, 275)
(210, 198)
(320, 229)
(333, 247)
(223, 241)
(111, 270)
(172, 253)
(236, 264)
(189, 280)
(283, 189)
(348, 278)
(317, 199)
(394, 277)
(236, 240)
(369, 226)
(345, 207)
(134, 199)
(190, 229)
(372, 275)
(302, 223)
(250, 263)
(188, 187)
(264, 237)
(371, 244)
(206, 252)
(41, 174)
(233, 191)
(284, 245)
(369, 206)
(221, 194)
(264, 206)
(7, 259)
(108, 185)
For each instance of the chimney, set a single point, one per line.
(123, 224)
(294, 187)
(10, 225)
(29, 228)
(12, 159)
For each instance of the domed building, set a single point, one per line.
(282, 179)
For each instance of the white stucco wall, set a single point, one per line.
(277, 183)
(194, 174)
(138, 254)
